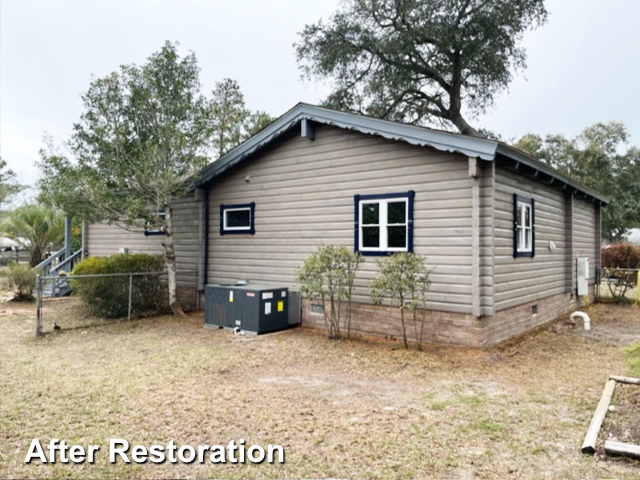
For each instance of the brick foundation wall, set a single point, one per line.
(378, 320)
(452, 328)
(515, 321)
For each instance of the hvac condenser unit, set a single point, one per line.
(251, 308)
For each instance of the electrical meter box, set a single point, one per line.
(251, 308)
(582, 275)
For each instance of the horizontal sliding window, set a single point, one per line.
(237, 218)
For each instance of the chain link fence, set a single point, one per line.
(81, 301)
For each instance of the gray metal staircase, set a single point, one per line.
(56, 266)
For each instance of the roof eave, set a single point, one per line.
(558, 178)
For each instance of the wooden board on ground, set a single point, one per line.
(631, 380)
(625, 449)
(590, 439)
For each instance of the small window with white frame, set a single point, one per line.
(237, 218)
(156, 230)
(384, 223)
(524, 226)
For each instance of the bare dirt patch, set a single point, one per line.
(342, 409)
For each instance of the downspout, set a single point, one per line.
(67, 240)
(205, 274)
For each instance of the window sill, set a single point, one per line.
(379, 253)
(238, 232)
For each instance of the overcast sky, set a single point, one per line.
(583, 66)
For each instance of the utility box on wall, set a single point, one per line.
(582, 275)
(251, 308)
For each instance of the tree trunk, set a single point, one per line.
(461, 124)
(170, 258)
(404, 330)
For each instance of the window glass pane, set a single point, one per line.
(527, 239)
(371, 237)
(519, 215)
(397, 237)
(527, 216)
(397, 212)
(519, 240)
(238, 218)
(370, 213)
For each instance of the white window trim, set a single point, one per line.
(523, 207)
(236, 229)
(382, 224)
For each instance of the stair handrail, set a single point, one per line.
(45, 265)
(66, 265)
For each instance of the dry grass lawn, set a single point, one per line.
(342, 409)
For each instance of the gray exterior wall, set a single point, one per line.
(567, 221)
(463, 224)
(103, 240)
(303, 191)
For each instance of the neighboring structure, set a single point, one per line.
(501, 230)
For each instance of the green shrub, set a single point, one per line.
(21, 280)
(404, 280)
(107, 296)
(6, 261)
(327, 277)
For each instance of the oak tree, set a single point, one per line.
(416, 61)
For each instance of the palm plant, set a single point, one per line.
(36, 228)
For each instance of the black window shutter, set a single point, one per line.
(515, 225)
(533, 227)
(356, 223)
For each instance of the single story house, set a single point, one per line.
(500, 230)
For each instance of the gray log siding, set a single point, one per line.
(303, 191)
(103, 240)
(567, 221)
(586, 236)
(523, 279)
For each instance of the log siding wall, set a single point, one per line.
(304, 190)
(304, 196)
(567, 221)
(103, 240)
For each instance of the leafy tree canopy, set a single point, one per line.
(230, 122)
(8, 184)
(145, 133)
(140, 142)
(599, 158)
(419, 61)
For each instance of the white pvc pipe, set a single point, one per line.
(583, 316)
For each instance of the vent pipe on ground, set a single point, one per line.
(583, 316)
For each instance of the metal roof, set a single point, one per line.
(469, 146)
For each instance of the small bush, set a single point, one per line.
(404, 280)
(21, 281)
(621, 255)
(108, 296)
(6, 261)
(327, 277)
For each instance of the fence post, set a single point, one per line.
(38, 305)
(130, 294)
